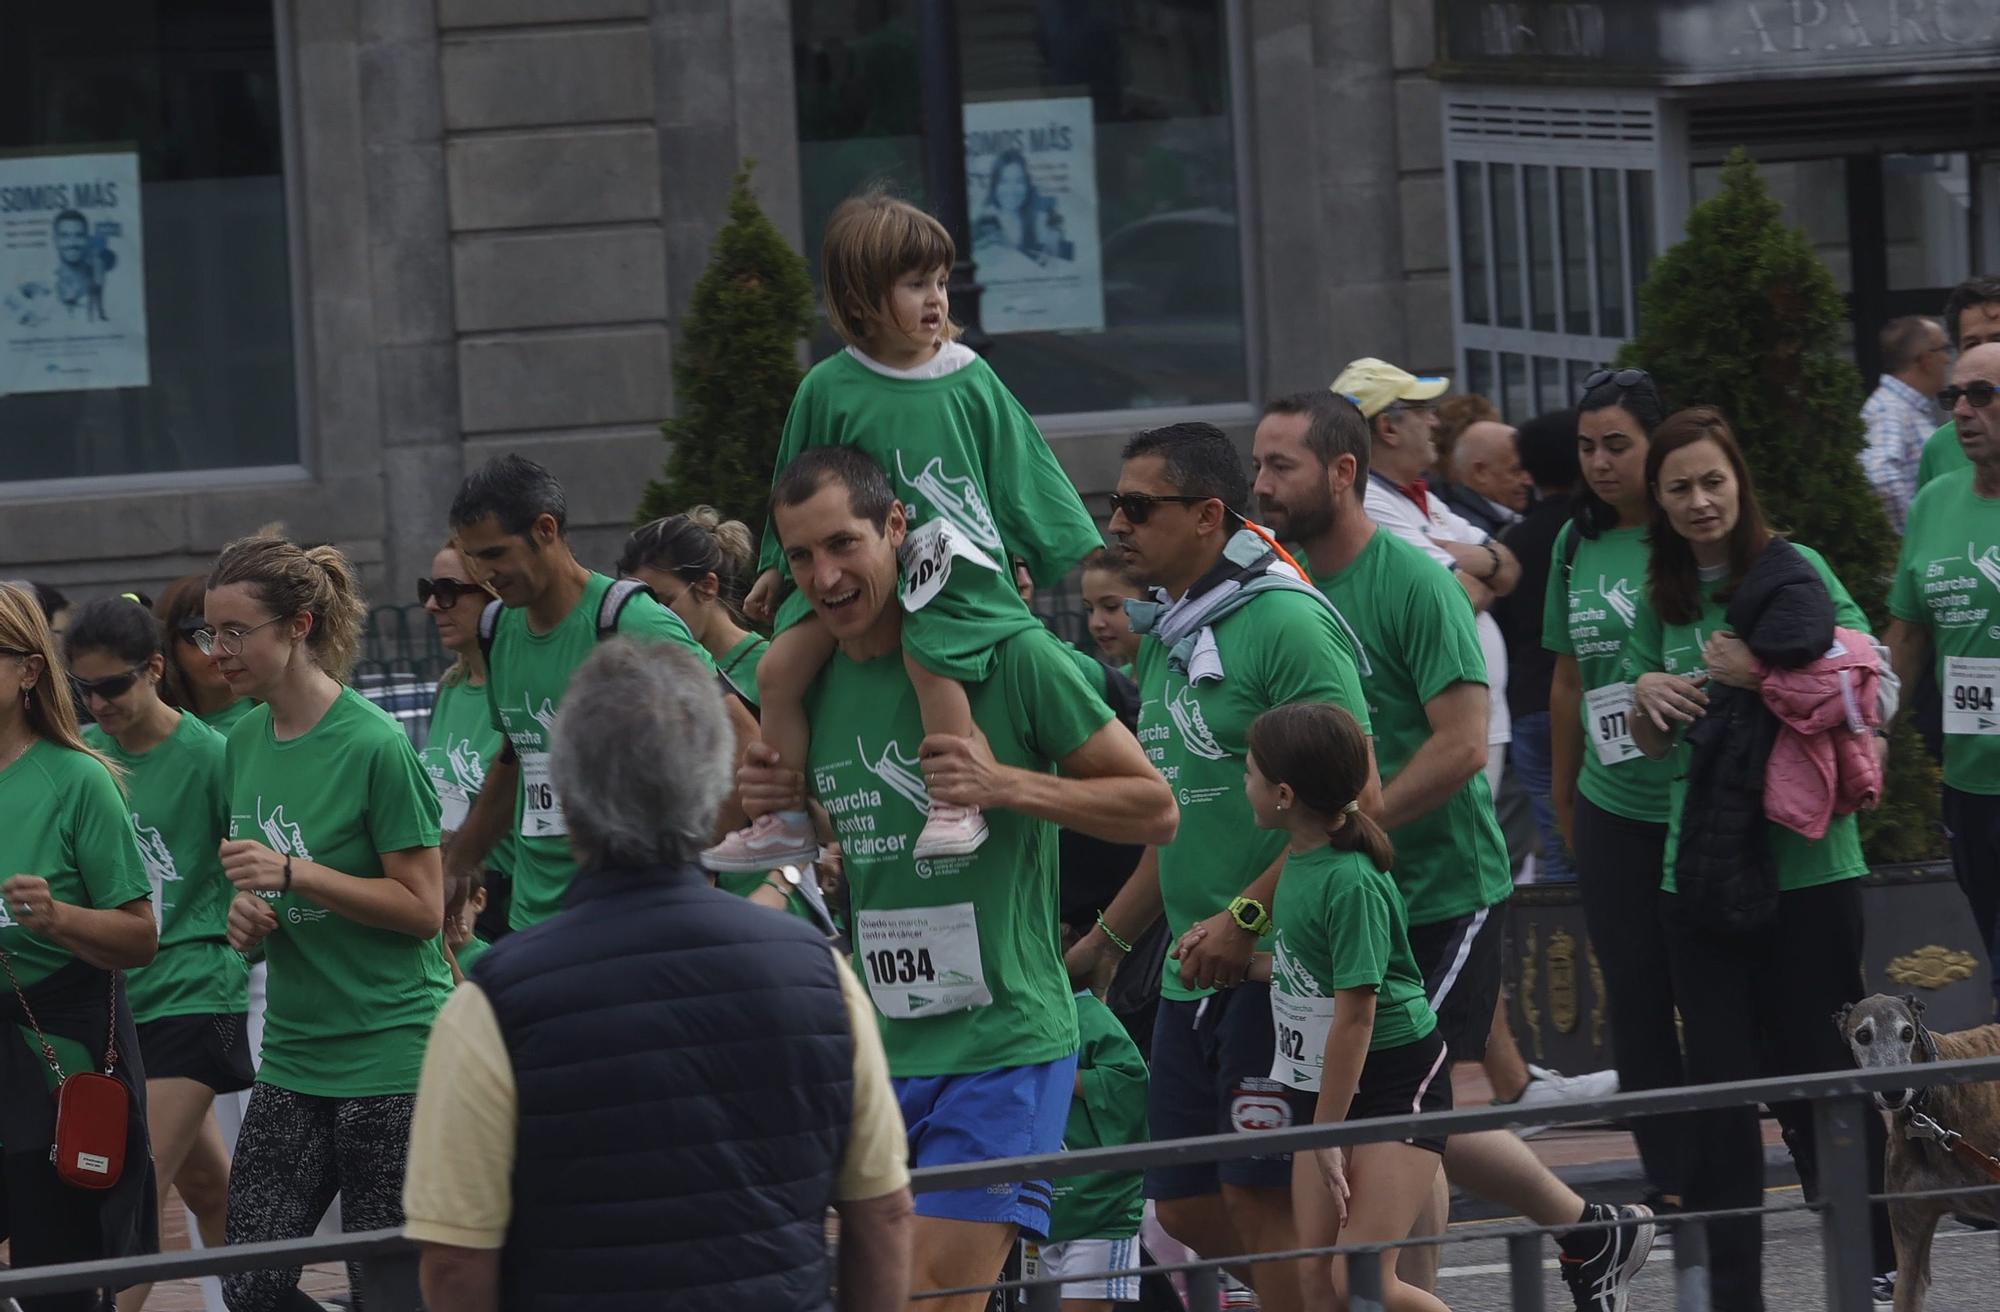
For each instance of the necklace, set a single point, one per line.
(10, 758)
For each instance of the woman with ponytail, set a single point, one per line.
(333, 852)
(695, 564)
(74, 912)
(1356, 1037)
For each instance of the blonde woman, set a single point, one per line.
(75, 909)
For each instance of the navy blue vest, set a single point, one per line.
(685, 1070)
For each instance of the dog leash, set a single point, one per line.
(1923, 1127)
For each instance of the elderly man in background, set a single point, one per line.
(654, 1097)
(1902, 413)
(1488, 487)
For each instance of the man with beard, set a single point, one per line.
(1426, 682)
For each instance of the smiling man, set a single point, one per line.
(959, 954)
(509, 521)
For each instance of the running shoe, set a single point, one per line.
(1237, 1296)
(777, 839)
(950, 831)
(1546, 1086)
(1602, 1280)
(1883, 1287)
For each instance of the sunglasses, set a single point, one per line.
(189, 625)
(1980, 394)
(1597, 378)
(447, 591)
(1138, 507)
(110, 688)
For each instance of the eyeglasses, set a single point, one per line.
(447, 591)
(228, 641)
(110, 688)
(1979, 393)
(1138, 507)
(1597, 378)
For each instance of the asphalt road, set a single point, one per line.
(1965, 1272)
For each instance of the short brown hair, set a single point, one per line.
(1321, 751)
(872, 240)
(1673, 578)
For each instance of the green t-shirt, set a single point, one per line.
(461, 744)
(1109, 1111)
(350, 1005)
(740, 664)
(746, 882)
(527, 674)
(179, 798)
(1589, 613)
(1418, 637)
(1942, 455)
(1280, 647)
(1948, 581)
(1676, 649)
(1340, 925)
(960, 954)
(474, 948)
(224, 720)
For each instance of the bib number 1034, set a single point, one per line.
(921, 961)
(1971, 695)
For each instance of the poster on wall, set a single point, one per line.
(1031, 197)
(72, 273)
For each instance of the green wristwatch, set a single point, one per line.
(1250, 916)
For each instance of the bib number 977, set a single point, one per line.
(900, 966)
(1612, 727)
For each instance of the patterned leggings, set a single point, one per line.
(293, 1154)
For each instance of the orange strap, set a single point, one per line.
(1272, 542)
(1971, 1156)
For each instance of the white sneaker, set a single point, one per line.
(776, 839)
(950, 831)
(1237, 1296)
(1546, 1086)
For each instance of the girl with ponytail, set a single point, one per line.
(1356, 1037)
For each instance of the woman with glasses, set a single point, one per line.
(1762, 923)
(462, 740)
(333, 851)
(73, 913)
(191, 1002)
(190, 680)
(696, 563)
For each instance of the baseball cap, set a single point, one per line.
(1375, 385)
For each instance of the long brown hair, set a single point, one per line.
(49, 709)
(1673, 580)
(182, 598)
(294, 580)
(1319, 750)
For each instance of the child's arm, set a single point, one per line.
(1041, 519)
(1346, 1051)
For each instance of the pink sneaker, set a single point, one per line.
(951, 831)
(772, 840)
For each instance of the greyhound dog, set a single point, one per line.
(1882, 1032)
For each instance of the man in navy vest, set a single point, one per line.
(653, 1098)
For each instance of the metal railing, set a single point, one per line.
(1840, 1101)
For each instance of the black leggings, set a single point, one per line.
(1757, 1005)
(49, 1222)
(293, 1154)
(1619, 864)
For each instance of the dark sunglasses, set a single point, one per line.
(189, 625)
(110, 689)
(1597, 378)
(447, 591)
(1980, 393)
(1138, 507)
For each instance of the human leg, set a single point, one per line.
(787, 671)
(947, 1254)
(949, 829)
(203, 1182)
(1973, 822)
(1534, 764)
(175, 1111)
(281, 1182)
(1391, 1183)
(1506, 1070)
(371, 1154)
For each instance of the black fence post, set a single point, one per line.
(1204, 1288)
(1524, 1271)
(1691, 1266)
(1839, 1136)
(389, 1283)
(1364, 1282)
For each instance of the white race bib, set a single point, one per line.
(1302, 1025)
(1608, 720)
(453, 805)
(1971, 695)
(541, 809)
(921, 961)
(927, 558)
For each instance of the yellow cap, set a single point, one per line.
(1375, 385)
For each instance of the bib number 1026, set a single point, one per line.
(541, 796)
(900, 966)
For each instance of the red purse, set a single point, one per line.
(93, 1111)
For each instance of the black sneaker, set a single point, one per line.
(1883, 1287)
(1602, 1281)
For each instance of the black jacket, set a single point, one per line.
(1724, 873)
(1531, 666)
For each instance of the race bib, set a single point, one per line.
(453, 805)
(1302, 1025)
(927, 558)
(1608, 719)
(922, 961)
(541, 809)
(1971, 695)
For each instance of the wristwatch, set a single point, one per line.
(1250, 916)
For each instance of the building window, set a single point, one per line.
(146, 333)
(1113, 273)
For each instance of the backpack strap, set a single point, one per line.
(1570, 544)
(616, 598)
(489, 628)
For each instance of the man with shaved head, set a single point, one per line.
(1946, 599)
(1488, 487)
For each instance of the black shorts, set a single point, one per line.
(1211, 1074)
(1463, 970)
(1413, 1078)
(211, 1049)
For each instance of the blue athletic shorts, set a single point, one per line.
(1211, 1074)
(1017, 1111)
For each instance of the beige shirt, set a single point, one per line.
(459, 1187)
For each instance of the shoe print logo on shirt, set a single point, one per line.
(899, 772)
(153, 852)
(957, 499)
(1286, 970)
(467, 769)
(1195, 734)
(281, 834)
(545, 716)
(1986, 562)
(1622, 597)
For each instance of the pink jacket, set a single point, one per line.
(1823, 763)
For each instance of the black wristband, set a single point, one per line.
(288, 874)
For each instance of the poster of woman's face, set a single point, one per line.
(1019, 217)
